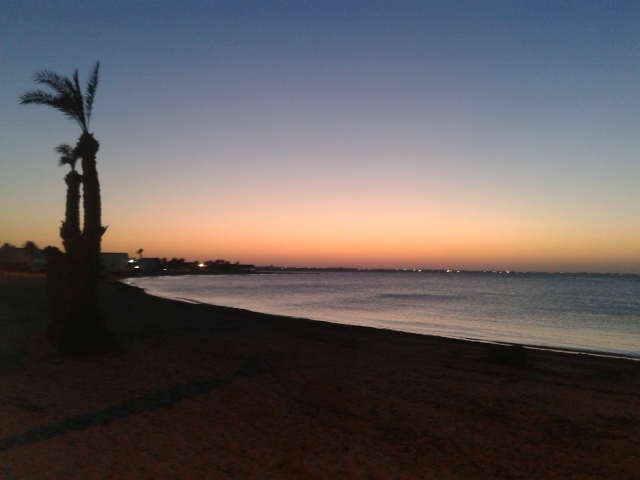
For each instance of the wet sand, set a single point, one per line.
(212, 392)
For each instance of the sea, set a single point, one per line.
(596, 313)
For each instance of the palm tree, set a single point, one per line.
(84, 331)
(4, 252)
(70, 229)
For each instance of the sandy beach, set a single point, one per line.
(211, 392)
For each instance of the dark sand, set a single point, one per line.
(210, 392)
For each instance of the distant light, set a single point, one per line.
(201, 265)
(131, 261)
(137, 266)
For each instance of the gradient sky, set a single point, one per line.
(435, 134)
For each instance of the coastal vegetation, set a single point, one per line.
(77, 326)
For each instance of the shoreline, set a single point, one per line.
(203, 391)
(550, 348)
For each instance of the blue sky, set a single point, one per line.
(439, 134)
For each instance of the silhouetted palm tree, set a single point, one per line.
(69, 99)
(71, 223)
(84, 332)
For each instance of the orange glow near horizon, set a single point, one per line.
(401, 232)
(390, 243)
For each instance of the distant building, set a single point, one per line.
(115, 262)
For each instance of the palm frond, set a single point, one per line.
(67, 96)
(90, 93)
(63, 103)
(78, 101)
(64, 149)
(38, 97)
(57, 83)
(68, 155)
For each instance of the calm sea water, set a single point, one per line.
(599, 313)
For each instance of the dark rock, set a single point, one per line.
(508, 355)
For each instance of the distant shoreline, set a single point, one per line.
(550, 348)
(265, 270)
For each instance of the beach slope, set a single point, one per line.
(211, 392)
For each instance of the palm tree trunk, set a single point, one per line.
(85, 331)
(93, 230)
(71, 235)
(65, 269)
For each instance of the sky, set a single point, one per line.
(499, 135)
